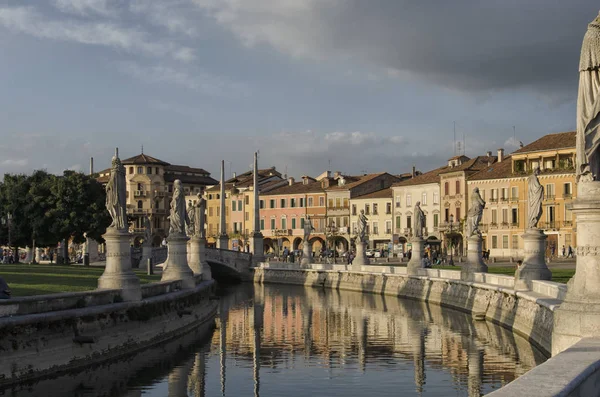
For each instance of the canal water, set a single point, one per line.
(293, 341)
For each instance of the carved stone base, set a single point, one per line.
(258, 248)
(117, 273)
(306, 254)
(579, 315)
(38, 255)
(176, 266)
(197, 257)
(534, 264)
(146, 254)
(361, 257)
(223, 242)
(475, 263)
(28, 255)
(416, 257)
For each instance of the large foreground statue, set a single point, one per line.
(178, 217)
(588, 105)
(475, 213)
(418, 220)
(535, 199)
(362, 226)
(116, 194)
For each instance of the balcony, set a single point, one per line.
(568, 223)
(139, 193)
(493, 225)
(159, 193)
(504, 199)
(549, 197)
(138, 230)
(388, 231)
(375, 232)
(514, 225)
(567, 196)
(281, 232)
(504, 225)
(514, 199)
(550, 225)
(483, 227)
(493, 200)
(375, 212)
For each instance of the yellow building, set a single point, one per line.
(378, 210)
(504, 186)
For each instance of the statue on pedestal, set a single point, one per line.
(116, 194)
(200, 217)
(362, 226)
(308, 228)
(418, 221)
(178, 216)
(191, 219)
(588, 106)
(475, 213)
(147, 231)
(535, 199)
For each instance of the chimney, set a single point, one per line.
(234, 175)
(91, 166)
(304, 180)
(291, 181)
(336, 174)
(489, 154)
(414, 173)
(500, 154)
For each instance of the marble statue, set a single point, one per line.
(535, 199)
(362, 226)
(475, 213)
(178, 217)
(200, 217)
(190, 219)
(418, 221)
(147, 231)
(308, 228)
(116, 195)
(588, 106)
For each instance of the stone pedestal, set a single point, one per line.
(223, 242)
(146, 254)
(197, 257)
(475, 263)
(176, 266)
(534, 264)
(306, 254)
(38, 255)
(416, 257)
(258, 248)
(361, 257)
(92, 247)
(579, 315)
(117, 273)
(28, 255)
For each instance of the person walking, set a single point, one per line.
(570, 252)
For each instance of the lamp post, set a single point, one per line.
(451, 251)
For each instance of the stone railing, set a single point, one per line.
(237, 260)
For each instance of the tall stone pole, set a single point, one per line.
(257, 236)
(223, 237)
(579, 315)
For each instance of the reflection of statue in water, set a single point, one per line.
(418, 220)
(308, 228)
(191, 219)
(535, 199)
(362, 226)
(116, 195)
(147, 231)
(588, 106)
(475, 213)
(178, 216)
(200, 216)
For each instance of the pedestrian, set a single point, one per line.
(518, 268)
(563, 251)
(570, 252)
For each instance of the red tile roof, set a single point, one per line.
(560, 140)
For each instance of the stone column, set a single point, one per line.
(534, 264)
(361, 257)
(475, 261)
(176, 266)
(118, 273)
(416, 258)
(38, 255)
(197, 257)
(579, 315)
(306, 254)
(28, 254)
(92, 246)
(223, 241)
(258, 248)
(146, 254)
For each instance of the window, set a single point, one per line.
(457, 187)
(550, 164)
(302, 223)
(375, 212)
(354, 228)
(550, 214)
(446, 214)
(218, 211)
(210, 211)
(409, 222)
(494, 217)
(494, 241)
(458, 214)
(568, 215)
(567, 192)
(272, 203)
(424, 199)
(398, 222)
(515, 216)
(149, 170)
(504, 215)
(436, 220)
(436, 198)
(398, 199)
(504, 193)
(140, 204)
(338, 203)
(330, 203)
(283, 223)
(345, 203)
(235, 227)
(293, 223)
(568, 239)
(247, 217)
(345, 221)
(408, 200)
(240, 208)
(321, 201)
(310, 201)
(261, 204)
(482, 193)
(505, 241)
(514, 193)
(388, 227)
(494, 195)
(131, 170)
(273, 224)
(367, 209)
(282, 203)
(247, 199)
(301, 202)
(388, 208)
(446, 189)
(234, 206)
(353, 209)
(156, 170)
(292, 203)
(515, 241)
(550, 191)
(140, 170)
(375, 228)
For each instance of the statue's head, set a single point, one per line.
(418, 204)
(476, 190)
(362, 212)
(536, 171)
(177, 184)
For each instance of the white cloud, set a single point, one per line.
(75, 167)
(85, 7)
(172, 15)
(28, 21)
(512, 142)
(199, 81)
(20, 162)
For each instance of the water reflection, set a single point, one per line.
(287, 341)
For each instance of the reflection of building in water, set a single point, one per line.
(353, 329)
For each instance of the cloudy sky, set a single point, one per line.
(362, 85)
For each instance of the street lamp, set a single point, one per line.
(451, 251)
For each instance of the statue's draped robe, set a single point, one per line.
(535, 199)
(201, 218)
(178, 214)
(588, 103)
(418, 222)
(475, 213)
(362, 227)
(116, 196)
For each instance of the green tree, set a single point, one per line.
(13, 200)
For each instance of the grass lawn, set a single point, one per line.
(25, 280)
(558, 275)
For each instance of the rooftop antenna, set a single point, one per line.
(142, 149)
(329, 167)
(514, 134)
(454, 138)
(464, 145)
